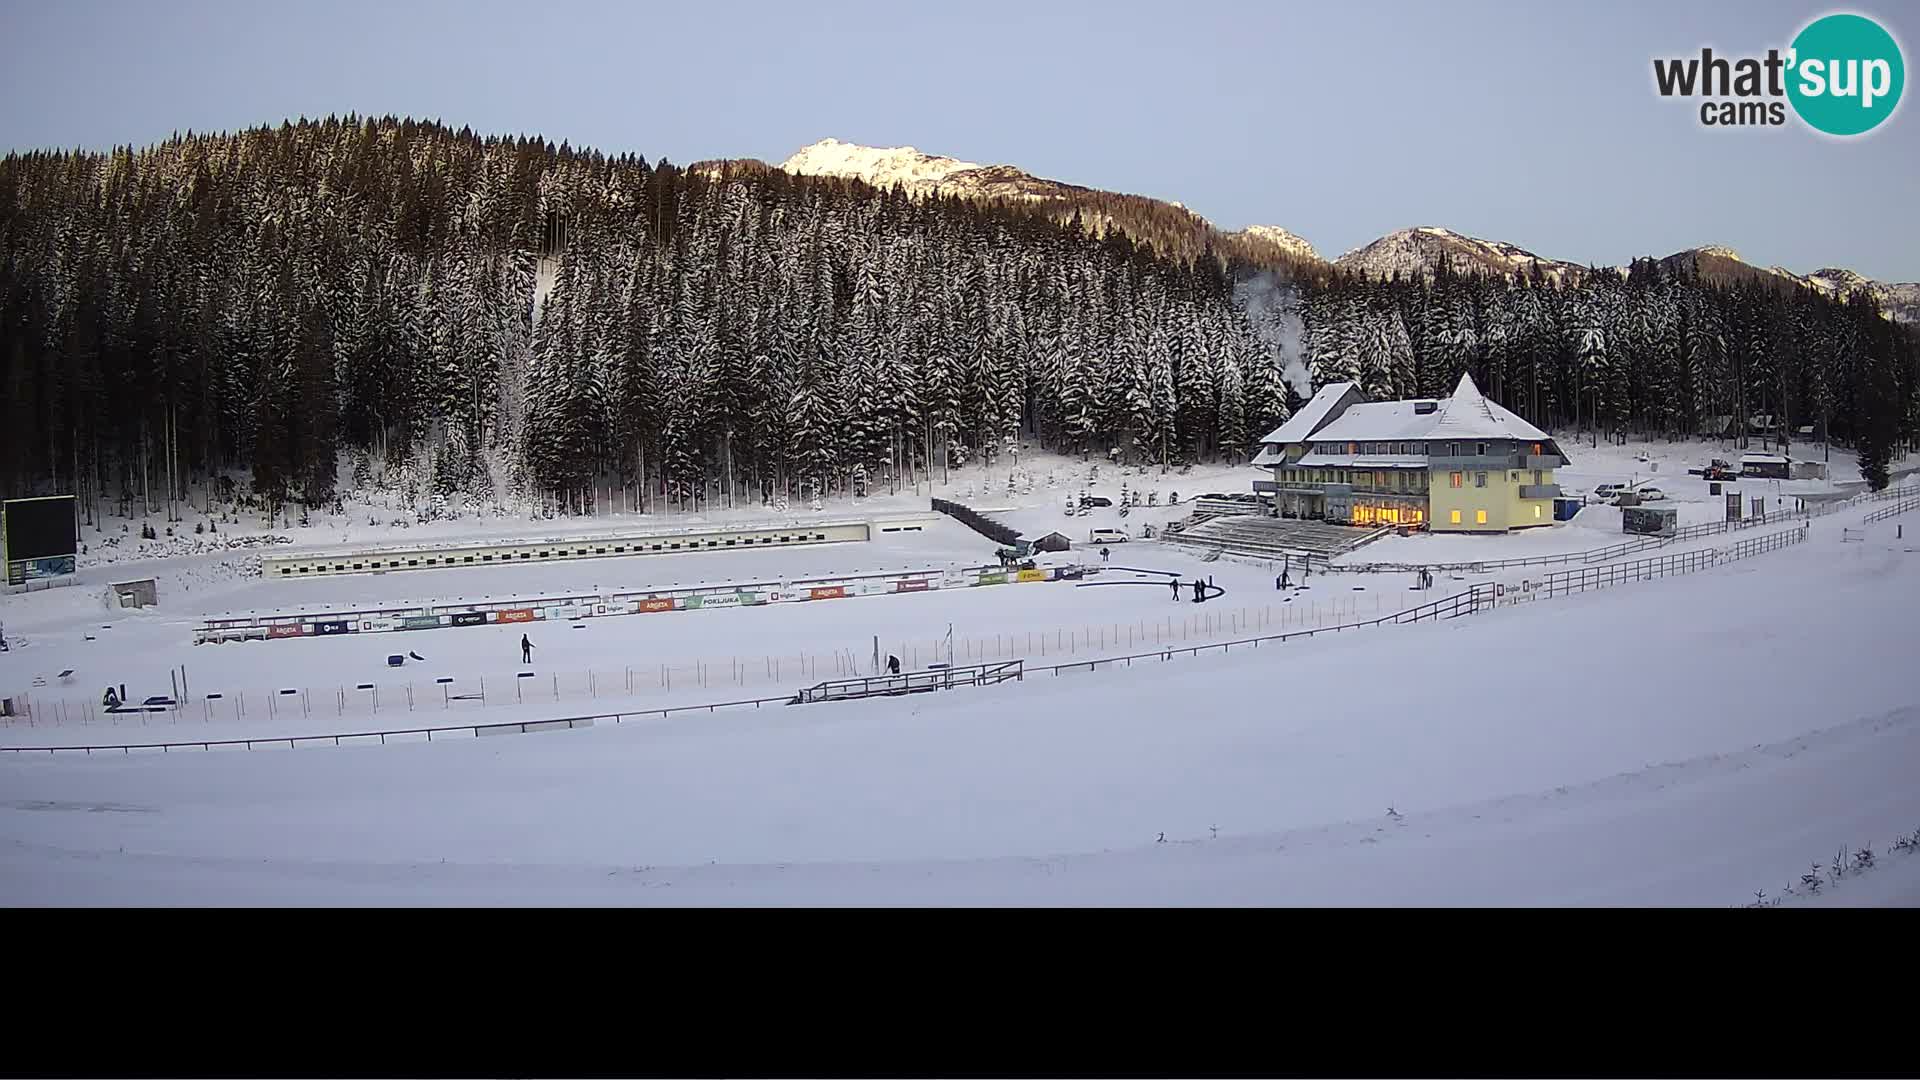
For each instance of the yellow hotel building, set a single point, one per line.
(1456, 464)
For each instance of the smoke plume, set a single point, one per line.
(1273, 309)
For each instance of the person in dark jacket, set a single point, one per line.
(1105, 554)
(1176, 589)
(893, 664)
(526, 650)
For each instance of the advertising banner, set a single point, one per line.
(1033, 575)
(517, 615)
(420, 622)
(22, 571)
(831, 592)
(658, 603)
(469, 618)
(916, 585)
(280, 630)
(334, 626)
(992, 579)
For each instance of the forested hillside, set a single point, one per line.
(506, 322)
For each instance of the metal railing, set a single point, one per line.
(1895, 510)
(912, 682)
(1462, 603)
(380, 737)
(1586, 579)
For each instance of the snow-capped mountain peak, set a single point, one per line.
(881, 166)
(1281, 238)
(1411, 252)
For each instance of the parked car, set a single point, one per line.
(1650, 494)
(1107, 536)
(1608, 492)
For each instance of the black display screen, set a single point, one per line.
(41, 529)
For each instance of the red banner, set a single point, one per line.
(664, 603)
(516, 615)
(918, 585)
(284, 630)
(832, 592)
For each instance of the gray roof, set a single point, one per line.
(1311, 415)
(1467, 414)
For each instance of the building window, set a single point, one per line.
(1456, 517)
(1536, 449)
(1480, 449)
(1479, 517)
(1536, 477)
(1479, 479)
(1353, 448)
(1536, 512)
(1380, 480)
(1459, 479)
(1453, 449)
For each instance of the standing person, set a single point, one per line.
(1105, 554)
(893, 664)
(526, 650)
(1284, 580)
(1176, 588)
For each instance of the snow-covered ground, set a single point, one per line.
(1683, 741)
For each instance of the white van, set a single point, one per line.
(1107, 536)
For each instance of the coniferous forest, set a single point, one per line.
(504, 321)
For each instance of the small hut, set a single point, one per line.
(141, 593)
(1053, 541)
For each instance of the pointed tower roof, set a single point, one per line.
(1469, 415)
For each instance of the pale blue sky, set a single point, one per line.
(1531, 122)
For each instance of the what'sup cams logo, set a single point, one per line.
(1842, 75)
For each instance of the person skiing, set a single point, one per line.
(526, 650)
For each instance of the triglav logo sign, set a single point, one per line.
(1842, 75)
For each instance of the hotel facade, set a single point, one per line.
(1458, 464)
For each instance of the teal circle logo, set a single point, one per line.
(1845, 74)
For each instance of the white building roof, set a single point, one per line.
(1465, 415)
(1301, 424)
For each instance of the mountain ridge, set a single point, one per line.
(1407, 252)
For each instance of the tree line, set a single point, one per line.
(509, 322)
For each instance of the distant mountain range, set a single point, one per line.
(1405, 252)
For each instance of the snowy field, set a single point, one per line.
(1682, 741)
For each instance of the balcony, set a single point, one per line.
(1536, 461)
(1539, 491)
(1489, 462)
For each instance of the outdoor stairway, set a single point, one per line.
(1266, 537)
(911, 682)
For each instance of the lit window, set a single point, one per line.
(1456, 517)
(1536, 513)
(1459, 479)
(1479, 517)
(1480, 479)
(1536, 449)
(1353, 448)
